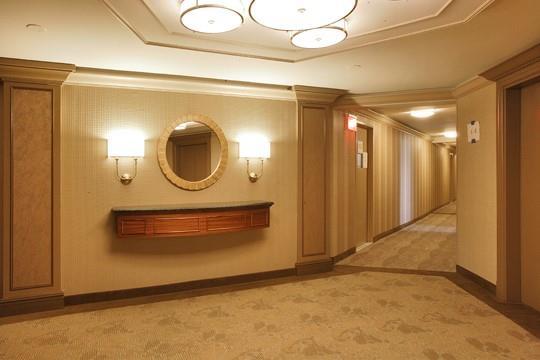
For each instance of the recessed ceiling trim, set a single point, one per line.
(315, 53)
(127, 24)
(414, 97)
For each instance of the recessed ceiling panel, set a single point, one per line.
(157, 22)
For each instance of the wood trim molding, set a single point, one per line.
(168, 171)
(469, 86)
(314, 267)
(354, 101)
(517, 62)
(26, 306)
(375, 116)
(310, 94)
(176, 287)
(177, 83)
(343, 255)
(30, 71)
(508, 203)
(477, 279)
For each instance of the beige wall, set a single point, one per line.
(477, 195)
(411, 178)
(93, 259)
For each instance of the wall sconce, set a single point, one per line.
(126, 144)
(254, 147)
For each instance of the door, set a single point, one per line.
(530, 195)
(192, 157)
(361, 201)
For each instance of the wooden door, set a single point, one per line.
(530, 195)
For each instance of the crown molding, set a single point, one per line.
(514, 64)
(318, 95)
(412, 97)
(469, 86)
(33, 71)
(177, 83)
(371, 115)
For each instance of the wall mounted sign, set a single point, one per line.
(473, 132)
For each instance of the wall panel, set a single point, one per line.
(95, 260)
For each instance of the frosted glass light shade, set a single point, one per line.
(211, 16)
(296, 15)
(320, 37)
(126, 144)
(254, 147)
(422, 114)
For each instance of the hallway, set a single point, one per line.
(429, 244)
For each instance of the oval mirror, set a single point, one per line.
(193, 152)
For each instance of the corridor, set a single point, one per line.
(429, 244)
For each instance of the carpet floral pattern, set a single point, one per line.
(366, 315)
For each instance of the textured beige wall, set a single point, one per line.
(411, 177)
(477, 195)
(93, 259)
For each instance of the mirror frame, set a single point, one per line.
(168, 171)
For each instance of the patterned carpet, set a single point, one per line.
(365, 315)
(429, 244)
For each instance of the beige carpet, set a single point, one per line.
(429, 244)
(360, 316)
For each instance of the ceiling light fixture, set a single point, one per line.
(450, 134)
(211, 16)
(320, 37)
(298, 15)
(422, 114)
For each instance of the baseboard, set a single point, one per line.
(26, 306)
(315, 267)
(175, 288)
(343, 255)
(402, 226)
(492, 288)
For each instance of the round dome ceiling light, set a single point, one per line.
(320, 37)
(423, 113)
(298, 15)
(211, 16)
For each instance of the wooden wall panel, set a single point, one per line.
(31, 186)
(313, 179)
(30, 206)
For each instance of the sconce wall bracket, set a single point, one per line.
(126, 178)
(253, 176)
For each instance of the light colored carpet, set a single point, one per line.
(365, 315)
(429, 244)
(448, 209)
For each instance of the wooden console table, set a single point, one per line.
(191, 219)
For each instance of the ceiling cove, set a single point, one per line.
(156, 22)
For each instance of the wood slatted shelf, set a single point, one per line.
(191, 219)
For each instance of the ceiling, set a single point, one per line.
(157, 22)
(88, 34)
(393, 45)
(443, 120)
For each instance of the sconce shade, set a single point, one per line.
(125, 144)
(254, 147)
